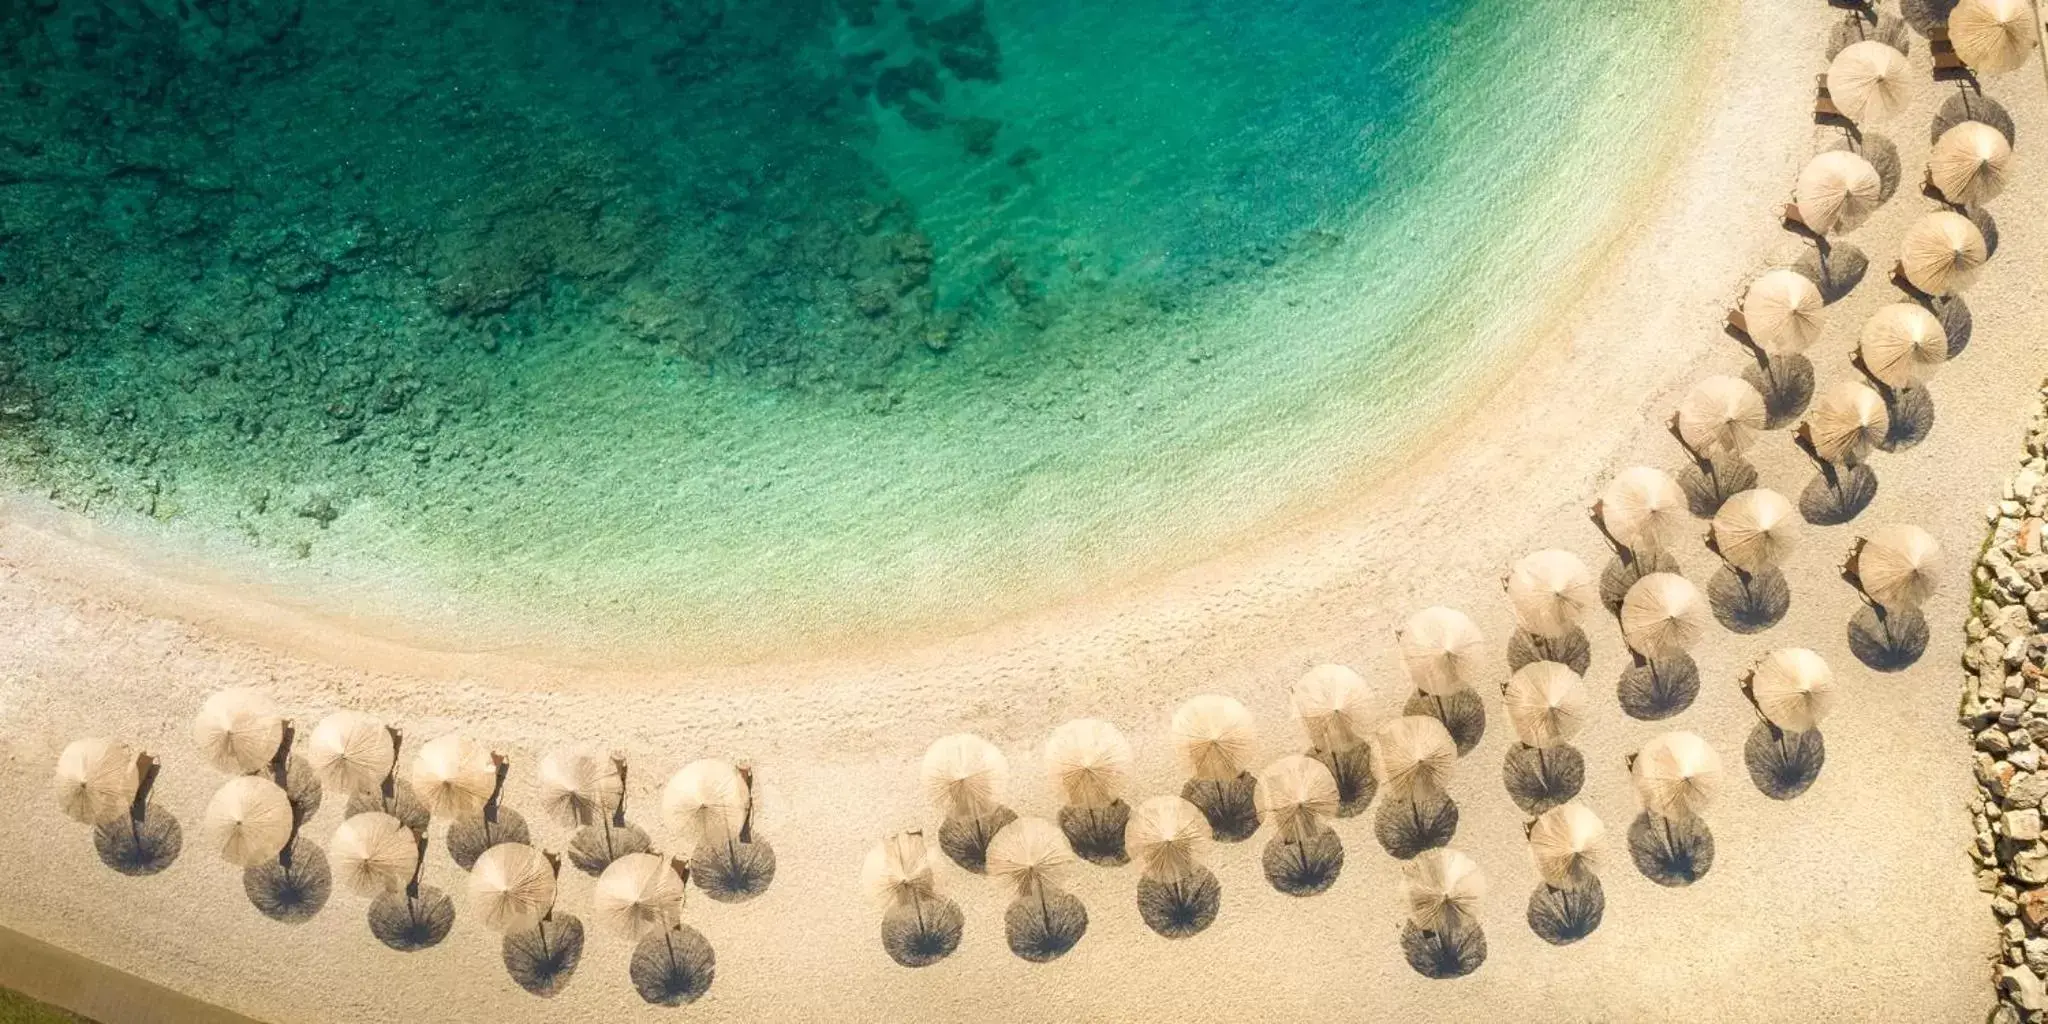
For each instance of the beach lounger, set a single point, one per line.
(1823, 101)
(1739, 322)
(1946, 60)
(1792, 219)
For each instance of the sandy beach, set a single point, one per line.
(1853, 902)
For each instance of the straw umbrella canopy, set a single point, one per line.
(1903, 345)
(1295, 793)
(1677, 775)
(1443, 651)
(1167, 836)
(1546, 703)
(1444, 889)
(1414, 754)
(1992, 36)
(374, 853)
(1971, 163)
(1663, 615)
(1942, 253)
(1089, 761)
(1794, 688)
(899, 869)
(1333, 704)
(640, 894)
(964, 775)
(1565, 843)
(238, 730)
(248, 820)
(1870, 81)
(512, 887)
(1898, 565)
(1756, 529)
(1847, 420)
(454, 777)
(1029, 853)
(578, 787)
(96, 780)
(1720, 414)
(1214, 737)
(350, 752)
(1784, 312)
(1551, 591)
(706, 801)
(1643, 509)
(1836, 191)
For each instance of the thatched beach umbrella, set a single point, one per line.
(1643, 509)
(238, 730)
(1551, 591)
(1942, 253)
(706, 801)
(899, 869)
(96, 780)
(1837, 190)
(248, 820)
(1444, 889)
(964, 775)
(1213, 735)
(1414, 755)
(1296, 793)
(1903, 345)
(1443, 651)
(454, 776)
(351, 752)
(512, 887)
(1677, 775)
(1564, 841)
(1029, 853)
(1720, 414)
(1756, 529)
(640, 894)
(1794, 688)
(1546, 703)
(1663, 615)
(1971, 163)
(1897, 566)
(1846, 421)
(374, 853)
(1784, 311)
(579, 788)
(1992, 36)
(1168, 837)
(1870, 81)
(1089, 761)
(1334, 706)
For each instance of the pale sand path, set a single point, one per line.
(1853, 903)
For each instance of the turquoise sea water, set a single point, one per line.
(752, 325)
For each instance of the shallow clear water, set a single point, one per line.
(732, 323)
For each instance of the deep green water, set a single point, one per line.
(725, 322)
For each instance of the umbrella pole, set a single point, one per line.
(1044, 912)
(1670, 838)
(542, 927)
(1543, 769)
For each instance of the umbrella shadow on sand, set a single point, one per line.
(1671, 852)
(922, 931)
(1928, 17)
(1408, 824)
(1044, 925)
(1912, 417)
(1956, 321)
(1452, 953)
(965, 838)
(139, 845)
(1653, 690)
(1837, 494)
(1539, 778)
(1783, 764)
(412, 919)
(1835, 267)
(1887, 639)
(1356, 785)
(402, 804)
(294, 886)
(1623, 571)
(1178, 908)
(1303, 867)
(1861, 25)
(1786, 382)
(733, 869)
(1749, 602)
(1564, 916)
(1572, 650)
(1709, 482)
(1970, 105)
(673, 968)
(1463, 715)
(1883, 155)
(543, 958)
(594, 847)
(1097, 833)
(468, 838)
(1232, 812)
